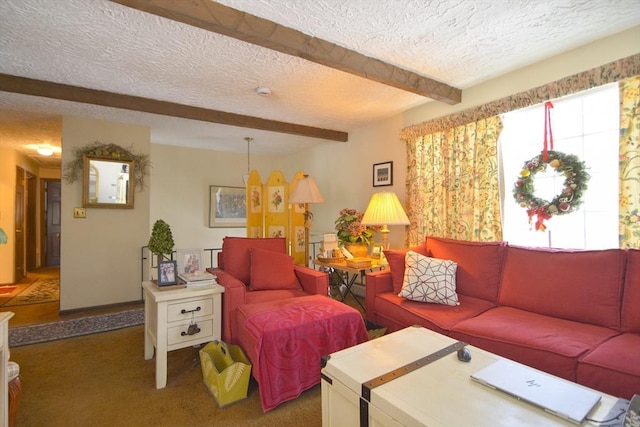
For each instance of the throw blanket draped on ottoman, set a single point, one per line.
(285, 340)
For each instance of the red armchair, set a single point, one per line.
(256, 270)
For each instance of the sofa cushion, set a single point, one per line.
(237, 259)
(479, 264)
(397, 313)
(612, 367)
(272, 270)
(429, 280)
(543, 342)
(583, 286)
(395, 258)
(631, 300)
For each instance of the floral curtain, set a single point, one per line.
(452, 175)
(452, 183)
(629, 187)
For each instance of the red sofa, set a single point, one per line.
(574, 314)
(259, 270)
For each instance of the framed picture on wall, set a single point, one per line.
(227, 207)
(167, 273)
(382, 174)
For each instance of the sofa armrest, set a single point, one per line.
(233, 296)
(312, 281)
(376, 282)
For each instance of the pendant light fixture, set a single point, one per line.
(245, 178)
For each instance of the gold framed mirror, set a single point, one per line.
(107, 183)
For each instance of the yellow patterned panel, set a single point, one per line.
(255, 206)
(276, 211)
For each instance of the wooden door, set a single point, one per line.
(31, 238)
(19, 260)
(53, 218)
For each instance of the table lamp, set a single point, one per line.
(385, 209)
(306, 192)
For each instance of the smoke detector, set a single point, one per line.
(263, 91)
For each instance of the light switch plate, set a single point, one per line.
(79, 213)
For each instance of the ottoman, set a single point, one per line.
(285, 340)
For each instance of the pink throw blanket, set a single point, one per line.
(285, 340)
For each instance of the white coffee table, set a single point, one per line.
(438, 394)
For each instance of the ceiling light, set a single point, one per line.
(263, 91)
(45, 150)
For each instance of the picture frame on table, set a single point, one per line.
(383, 174)
(376, 251)
(189, 261)
(227, 207)
(167, 273)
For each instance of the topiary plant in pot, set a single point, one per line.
(161, 240)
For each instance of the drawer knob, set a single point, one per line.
(183, 311)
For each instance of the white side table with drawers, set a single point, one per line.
(168, 315)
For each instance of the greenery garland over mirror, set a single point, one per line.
(141, 163)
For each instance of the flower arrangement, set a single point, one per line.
(350, 229)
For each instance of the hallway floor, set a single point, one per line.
(32, 314)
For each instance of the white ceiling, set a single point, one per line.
(102, 45)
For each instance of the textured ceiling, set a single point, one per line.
(102, 45)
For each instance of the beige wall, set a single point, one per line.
(180, 180)
(7, 213)
(100, 261)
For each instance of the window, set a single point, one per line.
(587, 125)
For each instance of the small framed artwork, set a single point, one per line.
(376, 251)
(189, 261)
(167, 273)
(382, 174)
(227, 207)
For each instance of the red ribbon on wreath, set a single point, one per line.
(548, 144)
(542, 214)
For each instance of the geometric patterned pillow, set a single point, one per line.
(429, 279)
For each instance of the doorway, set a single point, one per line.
(51, 222)
(37, 225)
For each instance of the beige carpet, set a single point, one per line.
(103, 380)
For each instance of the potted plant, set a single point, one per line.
(161, 240)
(355, 237)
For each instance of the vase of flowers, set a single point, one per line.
(355, 237)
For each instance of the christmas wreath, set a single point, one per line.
(567, 201)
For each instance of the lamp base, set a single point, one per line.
(385, 237)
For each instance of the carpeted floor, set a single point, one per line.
(42, 290)
(25, 335)
(103, 380)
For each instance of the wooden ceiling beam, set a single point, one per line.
(83, 95)
(221, 19)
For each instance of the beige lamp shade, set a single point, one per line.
(306, 191)
(385, 209)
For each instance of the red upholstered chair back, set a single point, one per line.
(236, 257)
